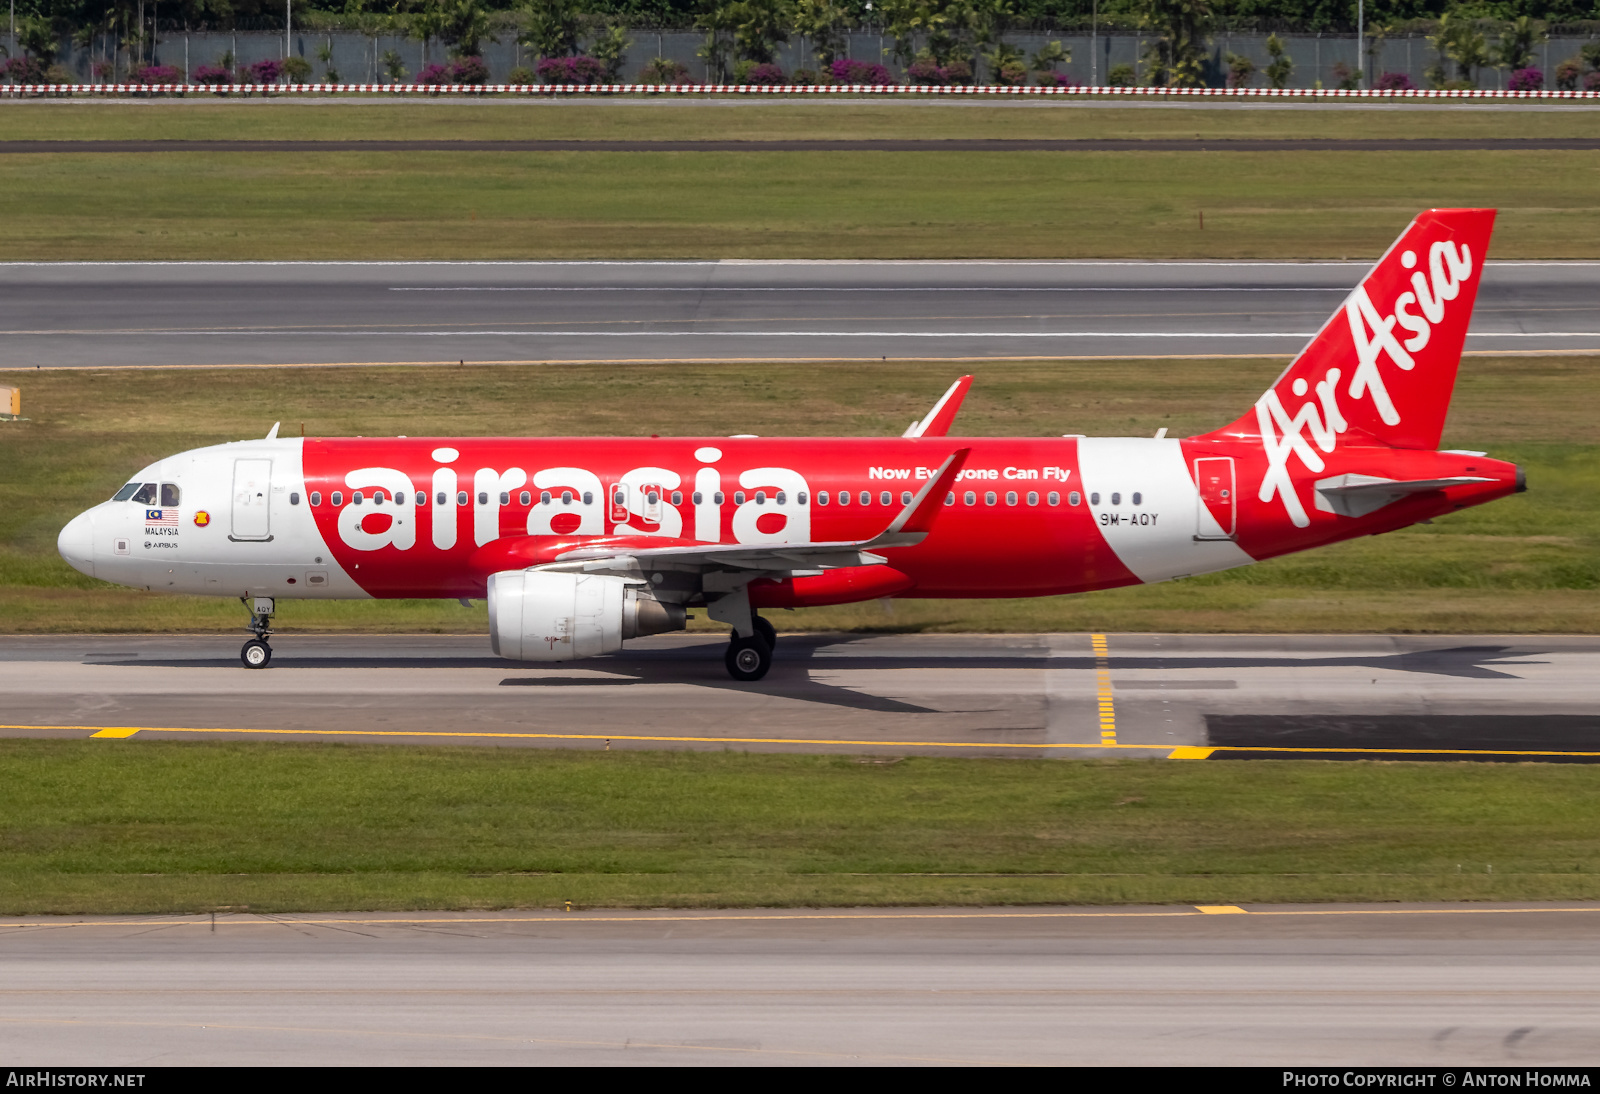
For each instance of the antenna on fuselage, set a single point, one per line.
(272, 434)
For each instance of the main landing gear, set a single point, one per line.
(256, 654)
(748, 659)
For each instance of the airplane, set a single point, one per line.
(581, 544)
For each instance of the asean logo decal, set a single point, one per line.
(202, 518)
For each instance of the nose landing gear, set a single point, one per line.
(748, 659)
(256, 654)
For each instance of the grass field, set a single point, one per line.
(101, 826)
(756, 120)
(573, 205)
(1529, 563)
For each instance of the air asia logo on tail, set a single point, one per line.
(1360, 372)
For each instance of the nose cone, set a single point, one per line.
(76, 543)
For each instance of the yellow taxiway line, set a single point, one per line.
(259, 919)
(1180, 752)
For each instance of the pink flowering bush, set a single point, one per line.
(24, 70)
(1055, 79)
(1395, 81)
(1526, 79)
(265, 72)
(925, 70)
(212, 74)
(434, 75)
(1591, 82)
(845, 71)
(764, 74)
(470, 71)
(571, 70)
(158, 74)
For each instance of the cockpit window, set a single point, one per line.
(146, 494)
(169, 495)
(126, 492)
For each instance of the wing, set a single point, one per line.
(1357, 495)
(909, 527)
(943, 414)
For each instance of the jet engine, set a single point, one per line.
(535, 615)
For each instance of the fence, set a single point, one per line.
(357, 58)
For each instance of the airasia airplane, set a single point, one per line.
(580, 544)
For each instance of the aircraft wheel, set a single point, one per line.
(256, 654)
(766, 630)
(748, 659)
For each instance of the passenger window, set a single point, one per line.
(294, 498)
(338, 497)
(988, 497)
(461, 497)
(971, 498)
(717, 497)
(1137, 498)
(801, 499)
(505, 497)
(950, 498)
(884, 498)
(698, 497)
(483, 497)
(822, 497)
(1094, 497)
(738, 497)
(525, 498)
(566, 497)
(544, 497)
(1073, 498)
(761, 497)
(588, 498)
(677, 498)
(316, 497)
(377, 497)
(146, 494)
(844, 497)
(1033, 497)
(356, 498)
(126, 492)
(422, 497)
(1011, 497)
(169, 494)
(1116, 499)
(866, 497)
(441, 498)
(905, 497)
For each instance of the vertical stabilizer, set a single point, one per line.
(1385, 363)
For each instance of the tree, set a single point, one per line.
(1177, 50)
(827, 24)
(464, 26)
(1515, 48)
(1241, 70)
(610, 48)
(717, 20)
(760, 27)
(1049, 56)
(1280, 68)
(945, 28)
(553, 28)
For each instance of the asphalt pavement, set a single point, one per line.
(1427, 986)
(1184, 697)
(120, 315)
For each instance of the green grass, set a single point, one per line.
(150, 826)
(746, 119)
(1526, 564)
(513, 205)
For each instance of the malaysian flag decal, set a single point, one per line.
(161, 518)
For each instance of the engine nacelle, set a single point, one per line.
(539, 616)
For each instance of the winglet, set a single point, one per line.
(943, 414)
(916, 519)
(272, 434)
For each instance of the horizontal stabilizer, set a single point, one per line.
(1358, 495)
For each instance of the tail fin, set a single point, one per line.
(1385, 362)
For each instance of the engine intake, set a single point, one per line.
(540, 616)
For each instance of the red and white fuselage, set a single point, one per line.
(1342, 445)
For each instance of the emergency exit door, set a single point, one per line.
(252, 497)
(1217, 517)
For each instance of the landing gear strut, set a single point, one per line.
(256, 654)
(748, 659)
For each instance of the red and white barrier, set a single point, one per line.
(964, 90)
